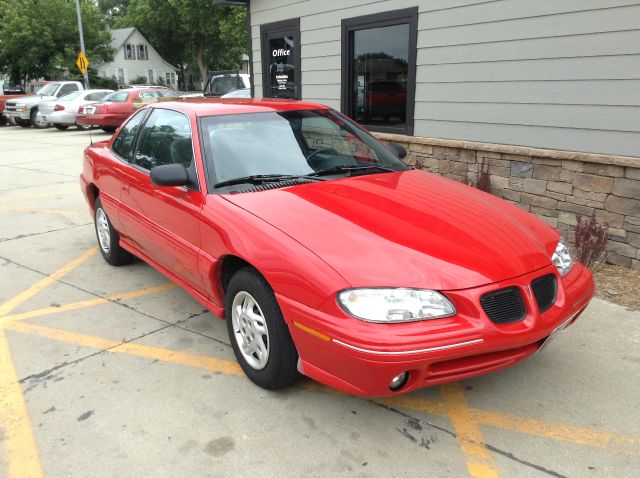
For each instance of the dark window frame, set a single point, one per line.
(284, 26)
(377, 20)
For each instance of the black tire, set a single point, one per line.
(84, 127)
(22, 123)
(109, 129)
(109, 248)
(61, 127)
(34, 120)
(280, 370)
(3, 120)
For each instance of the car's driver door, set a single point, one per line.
(163, 221)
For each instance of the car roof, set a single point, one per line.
(229, 106)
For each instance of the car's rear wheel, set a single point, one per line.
(259, 336)
(36, 122)
(109, 129)
(108, 238)
(61, 127)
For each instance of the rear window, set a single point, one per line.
(117, 97)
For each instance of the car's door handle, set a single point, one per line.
(125, 189)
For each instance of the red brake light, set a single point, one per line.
(58, 108)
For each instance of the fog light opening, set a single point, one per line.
(399, 381)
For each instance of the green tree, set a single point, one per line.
(193, 32)
(39, 38)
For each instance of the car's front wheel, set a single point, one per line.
(109, 129)
(108, 238)
(259, 335)
(37, 122)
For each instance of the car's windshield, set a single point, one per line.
(294, 143)
(70, 96)
(48, 89)
(117, 96)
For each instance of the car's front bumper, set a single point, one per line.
(21, 114)
(362, 358)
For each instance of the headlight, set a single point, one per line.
(562, 259)
(395, 304)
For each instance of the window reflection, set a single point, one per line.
(379, 75)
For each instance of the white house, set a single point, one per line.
(135, 56)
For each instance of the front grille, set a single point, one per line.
(545, 289)
(504, 305)
(10, 107)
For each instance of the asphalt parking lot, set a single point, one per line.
(117, 372)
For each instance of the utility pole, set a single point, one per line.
(86, 73)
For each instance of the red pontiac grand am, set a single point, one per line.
(117, 107)
(323, 251)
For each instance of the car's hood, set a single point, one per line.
(32, 99)
(410, 229)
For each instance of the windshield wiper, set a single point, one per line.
(264, 178)
(348, 169)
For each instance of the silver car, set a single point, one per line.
(61, 113)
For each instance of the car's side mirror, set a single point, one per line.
(398, 150)
(170, 175)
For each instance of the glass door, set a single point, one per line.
(280, 43)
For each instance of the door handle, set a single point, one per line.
(125, 189)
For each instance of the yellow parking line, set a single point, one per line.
(42, 194)
(480, 463)
(85, 303)
(50, 279)
(22, 454)
(228, 367)
(57, 212)
(528, 426)
(625, 445)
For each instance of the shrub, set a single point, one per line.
(139, 80)
(484, 178)
(591, 240)
(102, 82)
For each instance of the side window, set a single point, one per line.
(123, 144)
(68, 88)
(165, 139)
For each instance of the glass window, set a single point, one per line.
(381, 70)
(70, 96)
(143, 52)
(289, 143)
(68, 88)
(282, 70)
(96, 96)
(48, 89)
(129, 52)
(117, 97)
(165, 139)
(123, 144)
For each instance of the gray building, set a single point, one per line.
(562, 75)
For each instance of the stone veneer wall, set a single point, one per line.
(555, 185)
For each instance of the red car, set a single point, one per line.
(117, 107)
(323, 251)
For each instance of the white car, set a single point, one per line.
(238, 93)
(62, 112)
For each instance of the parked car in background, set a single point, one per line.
(62, 112)
(239, 93)
(324, 252)
(8, 94)
(222, 84)
(118, 106)
(24, 110)
(12, 90)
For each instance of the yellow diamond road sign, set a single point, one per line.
(82, 62)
